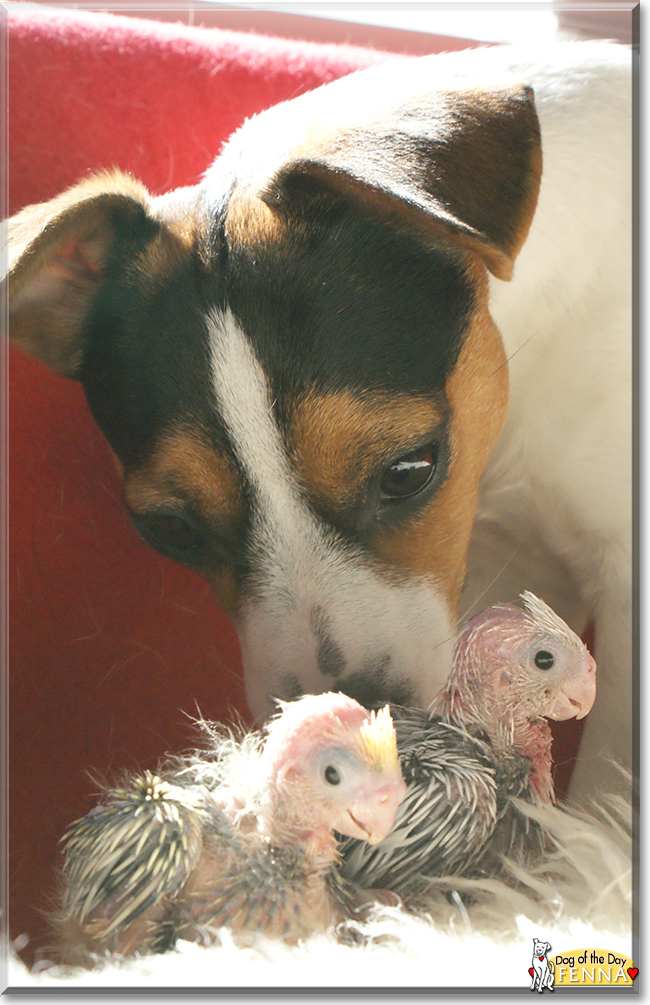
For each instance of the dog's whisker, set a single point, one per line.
(495, 579)
(516, 351)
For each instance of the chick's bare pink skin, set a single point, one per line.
(515, 667)
(331, 766)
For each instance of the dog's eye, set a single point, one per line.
(409, 474)
(173, 533)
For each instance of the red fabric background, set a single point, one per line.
(111, 645)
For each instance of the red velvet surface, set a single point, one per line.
(112, 647)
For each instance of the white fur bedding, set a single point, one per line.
(581, 896)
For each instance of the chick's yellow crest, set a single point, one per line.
(379, 742)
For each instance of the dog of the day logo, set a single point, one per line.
(542, 970)
(579, 968)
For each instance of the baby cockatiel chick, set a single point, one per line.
(513, 669)
(169, 858)
(486, 741)
(330, 765)
(327, 765)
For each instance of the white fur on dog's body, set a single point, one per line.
(555, 512)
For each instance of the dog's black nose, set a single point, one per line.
(373, 686)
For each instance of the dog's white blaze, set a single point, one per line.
(305, 573)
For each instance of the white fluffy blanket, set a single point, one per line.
(581, 896)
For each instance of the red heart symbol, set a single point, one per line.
(632, 971)
(540, 957)
(531, 971)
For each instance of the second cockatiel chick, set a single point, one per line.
(205, 847)
(513, 669)
(485, 742)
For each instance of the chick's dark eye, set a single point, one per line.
(544, 660)
(332, 777)
(409, 474)
(173, 533)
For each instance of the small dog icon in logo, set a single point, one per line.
(541, 970)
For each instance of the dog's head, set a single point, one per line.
(295, 365)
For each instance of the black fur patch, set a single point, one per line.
(347, 301)
(147, 363)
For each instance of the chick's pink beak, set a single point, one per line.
(577, 698)
(371, 818)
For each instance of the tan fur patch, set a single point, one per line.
(338, 438)
(161, 256)
(185, 468)
(225, 592)
(250, 221)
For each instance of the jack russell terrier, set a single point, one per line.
(375, 369)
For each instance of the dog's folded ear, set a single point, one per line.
(59, 254)
(463, 166)
(62, 253)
